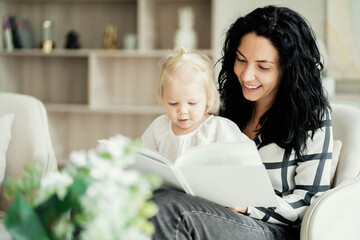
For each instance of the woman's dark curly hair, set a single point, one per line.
(300, 104)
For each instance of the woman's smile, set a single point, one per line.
(251, 87)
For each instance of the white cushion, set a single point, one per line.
(335, 159)
(6, 121)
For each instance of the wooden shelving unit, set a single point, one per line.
(92, 93)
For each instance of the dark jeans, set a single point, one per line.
(182, 216)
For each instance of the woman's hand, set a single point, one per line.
(239, 209)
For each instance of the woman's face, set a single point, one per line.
(258, 70)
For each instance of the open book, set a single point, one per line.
(229, 173)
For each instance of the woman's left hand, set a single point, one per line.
(239, 209)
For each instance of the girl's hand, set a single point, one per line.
(239, 209)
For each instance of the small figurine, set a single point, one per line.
(110, 37)
(72, 40)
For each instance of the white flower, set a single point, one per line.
(98, 167)
(114, 199)
(97, 229)
(78, 158)
(115, 146)
(55, 183)
(128, 177)
(63, 229)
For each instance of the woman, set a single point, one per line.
(270, 87)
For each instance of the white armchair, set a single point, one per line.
(336, 214)
(30, 141)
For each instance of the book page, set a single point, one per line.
(231, 185)
(230, 174)
(154, 155)
(241, 152)
(149, 161)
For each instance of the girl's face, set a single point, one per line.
(257, 68)
(185, 101)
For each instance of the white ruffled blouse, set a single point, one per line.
(160, 137)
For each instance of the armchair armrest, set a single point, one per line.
(335, 215)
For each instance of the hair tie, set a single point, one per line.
(183, 51)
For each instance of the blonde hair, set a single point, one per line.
(201, 64)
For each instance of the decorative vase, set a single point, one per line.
(185, 35)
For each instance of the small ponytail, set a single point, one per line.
(183, 51)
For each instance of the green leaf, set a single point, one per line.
(53, 208)
(22, 222)
(48, 212)
(76, 190)
(105, 155)
(26, 185)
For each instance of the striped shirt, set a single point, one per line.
(297, 183)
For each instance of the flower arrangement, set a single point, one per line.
(95, 197)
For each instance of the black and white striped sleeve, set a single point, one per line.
(298, 183)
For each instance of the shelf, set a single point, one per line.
(346, 97)
(67, 1)
(88, 18)
(94, 52)
(125, 109)
(40, 53)
(156, 53)
(92, 93)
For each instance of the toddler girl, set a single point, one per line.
(189, 95)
